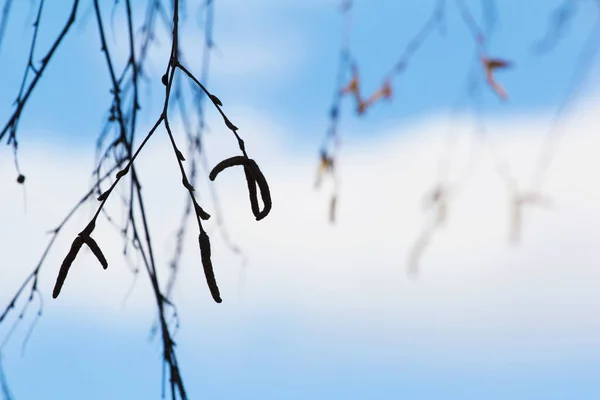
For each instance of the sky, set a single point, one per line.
(320, 311)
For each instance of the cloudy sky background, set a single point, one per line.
(320, 311)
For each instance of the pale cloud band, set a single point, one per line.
(351, 278)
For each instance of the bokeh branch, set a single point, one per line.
(484, 71)
(4, 388)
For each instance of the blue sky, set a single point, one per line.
(327, 312)
(304, 38)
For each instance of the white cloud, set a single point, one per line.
(258, 55)
(473, 289)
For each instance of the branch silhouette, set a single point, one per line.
(116, 163)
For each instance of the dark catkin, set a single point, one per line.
(254, 177)
(91, 243)
(207, 265)
(227, 163)
(265, 192)
(252, 192)
(66, 264)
